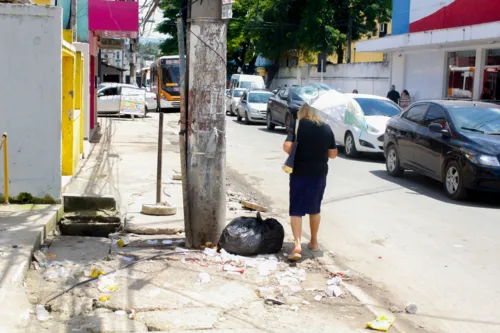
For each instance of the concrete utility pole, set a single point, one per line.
(206, 154)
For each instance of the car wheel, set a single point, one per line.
(231, 112)
(270, 126)
(392, 162)
(453, 182)
(350, 146)
(247, 120)
(238, 117)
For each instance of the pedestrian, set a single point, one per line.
(405, 99)
(486, 95)
(355, 91)
(393, 95)
(315, 145)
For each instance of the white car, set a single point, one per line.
(253, 106)
(233, 99)
(109, 94)
(377, 111)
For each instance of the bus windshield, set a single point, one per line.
(170, 75)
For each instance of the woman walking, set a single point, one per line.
(315, 145)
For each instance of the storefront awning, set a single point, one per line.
(479, 34)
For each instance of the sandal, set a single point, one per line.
(294, 257)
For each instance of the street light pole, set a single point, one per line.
(206, 155)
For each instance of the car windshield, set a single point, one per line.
(378, 107)
(476, 119)
(238, 93)
(250, 85)
(259, 97)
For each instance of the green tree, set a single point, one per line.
(148, 49)
(171, 11)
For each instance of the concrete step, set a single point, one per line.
(77, 202)
(93, 223)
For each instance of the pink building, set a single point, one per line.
(108, 19)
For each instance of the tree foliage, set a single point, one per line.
(276, 28)
(171, 11)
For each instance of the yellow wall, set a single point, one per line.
(72, 117)
(42, 2)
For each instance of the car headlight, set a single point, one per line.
(486, 160)
(254, 110)
(372, 129)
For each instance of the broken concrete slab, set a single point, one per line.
(101, 215)
(70, 306)
(182, 319)
(91, 229)
(153, 225)
(79, 249)
(77, 202)
(105, 323)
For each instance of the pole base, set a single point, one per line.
(161, 209)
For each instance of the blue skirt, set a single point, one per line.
(306, 195)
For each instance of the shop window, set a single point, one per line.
(491, 82)
(461, 67)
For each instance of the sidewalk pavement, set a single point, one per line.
(150, 285)
(22, 228)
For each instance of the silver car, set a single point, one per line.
(253, 106)
(233, 99)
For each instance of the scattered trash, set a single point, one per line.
(41, 313)
(232, 269)
(152, 241)
(177, 177)
(381, 323)
(395, 309)
(127, 260)
(380, 257)
(94, 272)
(51, 256)
(41, 257)
(274, 301)
(333, 291)
(306, 302)
(54, 273)
(15, 246)
(104, 298)
(267, 267)
(318, 298)
(167, 242)
(411, 308)
(132, 314)
(294, 308)
(253, 206)
(335, 281)
(120, 313)
(36, 265)
(106, 284)
(248, 236)
(204, 278)
(124, 241)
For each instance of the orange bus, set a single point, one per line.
(165, 81)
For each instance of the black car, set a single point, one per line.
(455, 142)
(283, 107)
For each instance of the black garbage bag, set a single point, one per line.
(248, 236)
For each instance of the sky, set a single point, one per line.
(150, 34)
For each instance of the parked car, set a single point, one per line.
(376, 111)
(108, 98)
(454, 142)
(283, 107)
(253, 106)
(232, 100)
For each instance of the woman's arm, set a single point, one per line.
(332, 153)
(287, 147)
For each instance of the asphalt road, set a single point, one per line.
(402, 235)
